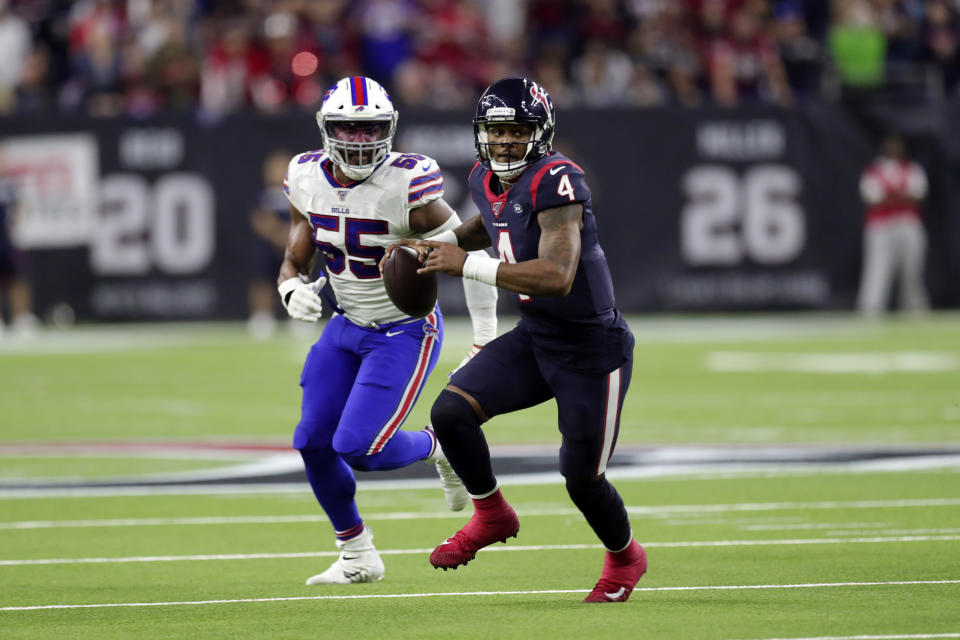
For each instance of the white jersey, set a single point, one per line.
(352, 223)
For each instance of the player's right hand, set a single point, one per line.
(300, 298)
(422, 250)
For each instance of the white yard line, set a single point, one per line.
(492, 549)
(897, 636)
(654, 511)
(454, 594)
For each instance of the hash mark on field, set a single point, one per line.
(635, 511)
(385, 596)
(498, 549)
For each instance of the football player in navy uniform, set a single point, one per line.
(360, 380)
(571, 343)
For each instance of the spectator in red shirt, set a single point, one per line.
(894, 242)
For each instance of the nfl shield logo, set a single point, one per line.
(496, 207)
(342, 194)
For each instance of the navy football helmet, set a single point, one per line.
(520, 101)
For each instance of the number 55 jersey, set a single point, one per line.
(353, 222)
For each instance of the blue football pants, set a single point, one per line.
(359, 384)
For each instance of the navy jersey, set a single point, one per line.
(584, 327)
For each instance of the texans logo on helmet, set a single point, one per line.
(540, 96)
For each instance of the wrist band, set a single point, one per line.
(481, 269)
(447, 236)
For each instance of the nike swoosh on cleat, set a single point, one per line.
(556, 170)
(350, 557)
(615, 594)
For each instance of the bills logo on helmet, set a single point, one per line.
(540, 96)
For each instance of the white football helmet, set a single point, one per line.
(357, 124)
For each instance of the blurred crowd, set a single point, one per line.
(214, 57)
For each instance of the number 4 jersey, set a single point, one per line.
(353, 223)
(583, 328)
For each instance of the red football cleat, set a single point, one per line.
(621, 572)
(483, 529)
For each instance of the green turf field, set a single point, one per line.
(846, 550)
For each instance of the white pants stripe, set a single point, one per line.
(610, 413)
(417, 380)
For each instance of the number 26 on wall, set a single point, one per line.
(729, 219)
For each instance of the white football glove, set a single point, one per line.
(474, 350)
(300, 297)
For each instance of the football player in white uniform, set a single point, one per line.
(360, 380)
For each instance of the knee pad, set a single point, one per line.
(451, 410)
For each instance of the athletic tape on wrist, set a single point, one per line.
(447, 236)
(482, 269)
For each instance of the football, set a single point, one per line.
(412, 293)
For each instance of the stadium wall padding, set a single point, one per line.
(753, 209)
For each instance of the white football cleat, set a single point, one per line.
(453, 490)
(358, 562)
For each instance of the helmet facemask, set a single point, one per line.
(531, 151)
(357, 146)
